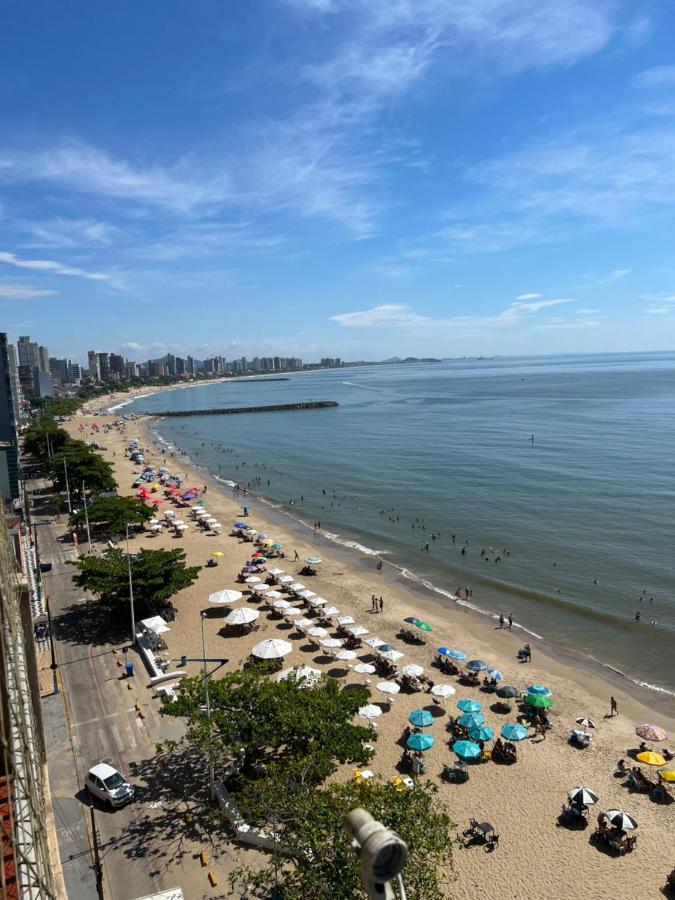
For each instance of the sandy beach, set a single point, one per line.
(535, 858)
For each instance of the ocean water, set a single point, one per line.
(561, 469)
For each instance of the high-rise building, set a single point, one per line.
(104, 366)
(15, 384)
(92, 361)
(74, 372)
(180, 366)
(58, 369)
(28, 352)
(43, 359)
(190, 366)
(9, 452)
(117, 368)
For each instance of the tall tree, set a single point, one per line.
(156, 575)
(82, 465)
(111, 515)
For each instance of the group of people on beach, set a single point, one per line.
(376, 603)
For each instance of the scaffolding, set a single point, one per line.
(27, 872)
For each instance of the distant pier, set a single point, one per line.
(236, 410)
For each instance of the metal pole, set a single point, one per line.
(86, 515)
(53, 665)
(98, 867)
(212, 785)
(70, 506)
(131, 594)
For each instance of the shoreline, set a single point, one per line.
(660, 700)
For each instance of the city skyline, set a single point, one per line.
(339, 178)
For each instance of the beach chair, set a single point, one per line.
(491, 842)
(454, 775)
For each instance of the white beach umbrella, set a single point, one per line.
(306, 674)
(316, 602)
(583, 795)
(412, 670)
(345, 620)
(365, 669)
(274, 595)
(296, 586)
(271, 649)
(182, 527)
(318, 632)
(370, 711)
(252, 579)
(276, 572)
(153, 521)
(301, 624)
(306, 595)
(392, 655)
(156, 528)
(169, 514)
(443, 690)
(375, 642)
(331, 643)
(285, 579)
(330, 611)
(225, 597)
(346, 655)
(388, 687)
(291, 611)
(621, 819)
(281, 604)
(357, 630)
(241, 616)
(216, 525)
(178, 522)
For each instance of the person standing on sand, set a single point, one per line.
(297, 555)
(613, 707)
(381, 604)
(501, 620)
(510, 620)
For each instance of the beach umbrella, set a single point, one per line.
(178, 522)
(274, 595)
(331, 643)
(155, 528)
(215, 526)
(303, 623)
(315, 602)
(538, 701)
(292, 611)
(585, 723)
(412, 670)
(539, 689)
(621, 819)
(313, 560)
(345, 620)
(306, 595)
(217, 554)
(466, 749)
(281, 604)
(387, 687)
(318, 632)
(476, 665)
(376, 643)
(263, 537)
(421, 718)
(392, 655)
(424, 626)
(365, 669)
(241, 525)
(381, 647)
(471, 720)
(508, 690)
(514, 731)
(469, 706)
(252, 579)
(443, 690)
(305, 674)
(153, 521)
(420, 741)
(277, 546)
(285, 579)
(651, 733)
(450, 653)
(241, 616)
(481, 733)
(272, 648)
(496, 674)
(275, 572)
(410, 620)
(370, 711)
(667, 775)
(225, 597)
(649, 758)
(583, 796)
(345, 655)
(296, 586)
(249, 570)
(357, 630)
(181, 527)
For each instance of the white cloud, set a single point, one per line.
(387, 315)
(64, 232)
(656, 77)
(587, 312)
(576, 325)
(536, 305)
(23, 292)
(528, 296)
(51, 267)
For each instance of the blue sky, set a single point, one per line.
(338, 177)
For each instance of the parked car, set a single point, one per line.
(45, 566)
(109, 785)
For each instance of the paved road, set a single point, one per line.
(95, 719)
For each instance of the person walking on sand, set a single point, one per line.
(297, 556)
(501, 620)
(510, 620)
(381, 604)
(613, 707)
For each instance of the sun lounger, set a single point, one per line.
(455, 774)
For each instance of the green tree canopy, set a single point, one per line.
(323, 866)
(44, 437)
(157, 575)
(276, 728)
(111, 515)
(84, 465)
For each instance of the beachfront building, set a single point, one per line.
(9, 448)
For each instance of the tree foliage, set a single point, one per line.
(156, 574)
(83, 465)
(111, 515)
(276, 729)
(44, 438)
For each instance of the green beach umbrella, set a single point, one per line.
(424, 626)
(538, 701)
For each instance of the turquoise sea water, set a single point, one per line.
(585, 513)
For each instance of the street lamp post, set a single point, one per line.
(131, 593)
(70, 505)
(53, 665)
(212, 782)
(86, 515)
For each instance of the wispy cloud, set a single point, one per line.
(656, 77)
(51, 267)
(23, 292)
(528, 296)
(66, 232)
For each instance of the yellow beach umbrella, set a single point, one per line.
(650, 758)
(218, 553)
(667, 775)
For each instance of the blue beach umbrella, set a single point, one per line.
(481, 733)
(471, 720)
(466, 749)
(539, 689)
(410, 620)
(514, 731)
(420, 741)
(240, 525)
(476, 665)
(450, 653)
(422, 718)
(384, 648)
(469, 706)
(496, 674)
